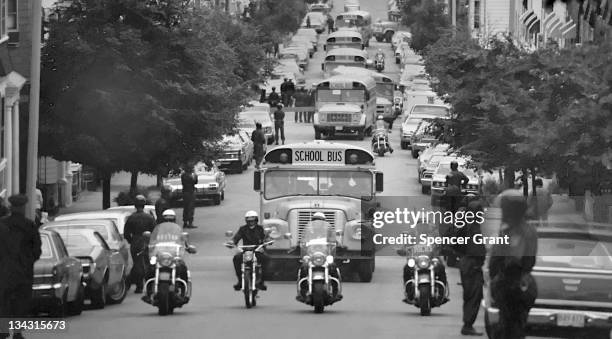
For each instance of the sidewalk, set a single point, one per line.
(563, 209)
(92, 200)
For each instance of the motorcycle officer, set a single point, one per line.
(317, 226)
(251, 234)
(167, 225)
(380, 55)
(381, 129)
(439, 269)
(135, 225)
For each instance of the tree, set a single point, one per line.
(427, 21)
(277, 18)
(141, 85)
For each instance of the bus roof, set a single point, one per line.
(356, 13)
(344, 78)
(378, 77)
(344, 34)
(319, 153)
(347, 51)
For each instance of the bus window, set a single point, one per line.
(285, 183)
(350, 184)
(330, 58)
(331, 40)
(355, 39)
(344, 95)
(359, 58)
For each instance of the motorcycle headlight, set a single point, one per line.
(318, 259)
(423, 261)
(153, 260)
(411, 262)
(356, 234)
(165, 259)
(247, 256)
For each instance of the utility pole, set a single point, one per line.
(32, 155)
(454, 16)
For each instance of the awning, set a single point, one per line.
(551, 23)
(568, 31)
(534, 23)
(527, 16)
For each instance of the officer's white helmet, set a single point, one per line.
(169, 215)
(251, 215)
(318, 216)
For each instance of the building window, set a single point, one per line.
(476, 14)
(11, 15)
(3, 6)
(2, 153)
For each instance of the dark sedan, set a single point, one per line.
(573, 272)
(57, 288)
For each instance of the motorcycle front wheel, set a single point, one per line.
(164, 306)
(249, 296)
(425, 300)
(318, 296)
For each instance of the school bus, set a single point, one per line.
(359, 19)
(344, 38)
(339, 180)
(335, 102)
(344, 56)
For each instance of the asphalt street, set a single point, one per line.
(369, 310)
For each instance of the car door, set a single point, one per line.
(116, 264)
(220, 178)
(249, 147)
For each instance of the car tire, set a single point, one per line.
(403, 145)
(98, 297)
(317, 134)
(217, 199)
(76, 307)
(388, 37)
(379, 38)
(415, 154)
(366, 270)
(223, 195)
(59, 311)
(397, 60)
(425, 190)
(360, 134)
(120, 291)
(240, 169)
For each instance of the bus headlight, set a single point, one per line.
(356, 234)
(273, 232)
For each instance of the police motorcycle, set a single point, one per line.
(380, 138)
(317, 285)
(168, 283)
(251, 269)
(422, 289)
(379, 61)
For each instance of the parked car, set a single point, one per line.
(118, 216)
(107, 229)
(104, 270)
(409, 127)
(399, 37)
(573, 271)
(300, 55)
(324, 8)
(288, 66)
(318, 21)
(438, 179)
(309, 32)
(427, 171)
(307, 40)
(57, 288)
(427, 154)
(263, 117)
(210, 186)
(131, 209)
(237, 152)
(302, 42)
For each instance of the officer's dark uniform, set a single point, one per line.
(136, 224)
(454, 181)
(273, 98)
(20, 247)
(512, 287)
(470, 268)
(279, 125)
(188, 180)
(250, 236)
(161, 205)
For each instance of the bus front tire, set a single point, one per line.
(317, 134)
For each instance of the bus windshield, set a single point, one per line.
(385, 90)
(354, 184)
(341, 95)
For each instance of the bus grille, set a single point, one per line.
(339, 117)
(304, 217)
(380, 109)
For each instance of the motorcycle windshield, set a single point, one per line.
(167, 238)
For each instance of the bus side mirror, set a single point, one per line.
(379, 182)
(325, 47)
(323, 67)
(257, 181)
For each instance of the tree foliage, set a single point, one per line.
(427, 21)
(549, 110)
(276, 18)
(140, 85)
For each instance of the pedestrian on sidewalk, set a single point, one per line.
(283, 91)
(291, 94)
(330, 24)
(307, 21)
(259, 140)
(273, 98)
(20, 247)
(135, 226)
(512, 286)
(188, 179)
(470, 268)
(279, 124)
(541, 203)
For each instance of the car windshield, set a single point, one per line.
(98, 228)
(432, 110)
(435, 160)
(575, 252)
(46, 252)
(354, 184)
(232, 139)
(257, 116)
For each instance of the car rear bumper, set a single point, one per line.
(44, 295)
(547, 318)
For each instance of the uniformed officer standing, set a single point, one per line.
(135, 225)
(188, 179)
(20, 247)
(470, 268)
